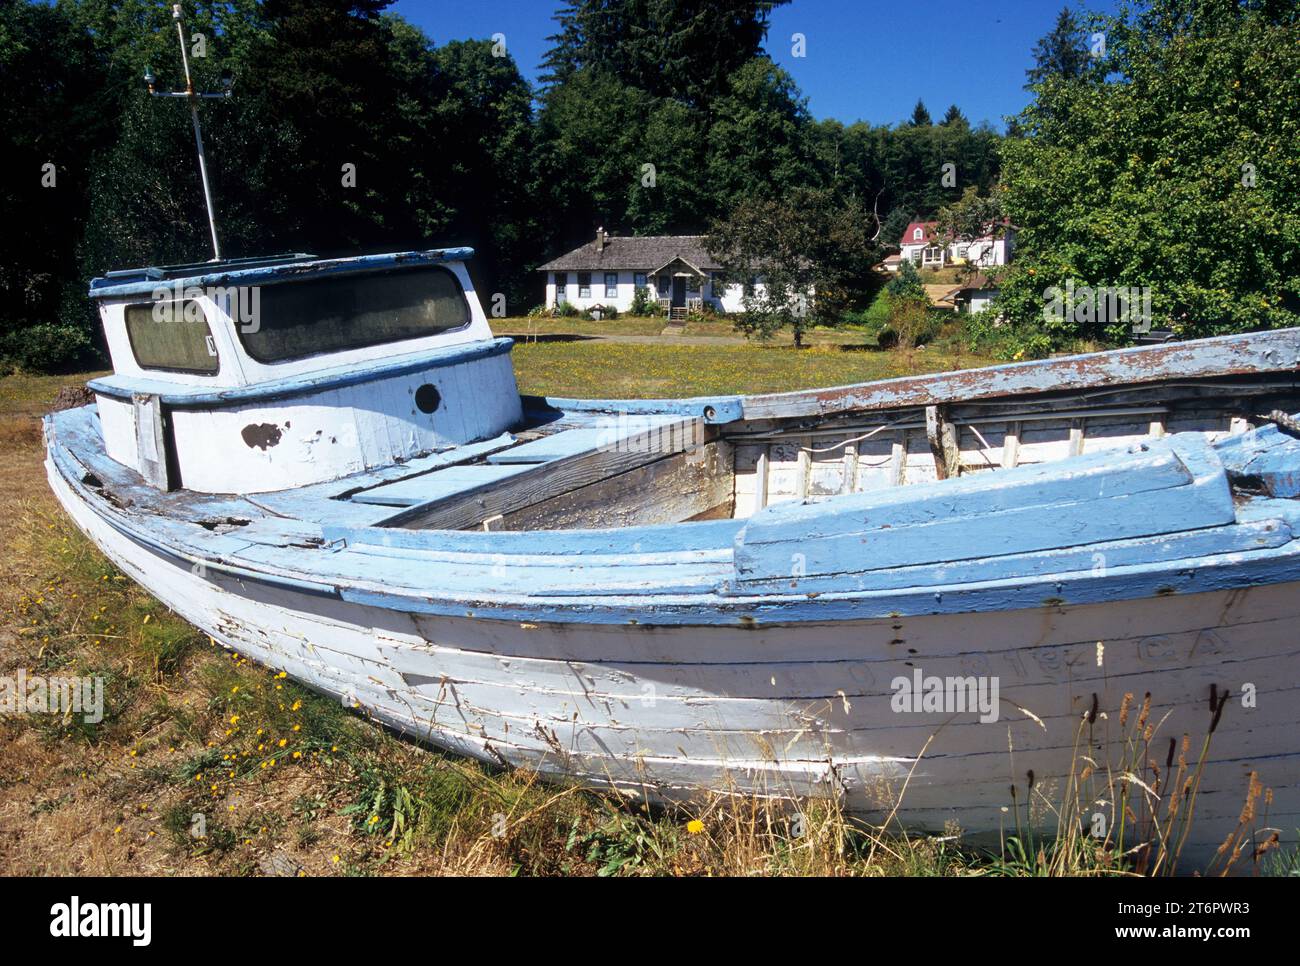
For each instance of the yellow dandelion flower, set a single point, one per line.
(695, 826)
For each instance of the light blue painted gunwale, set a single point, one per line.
(122, 387)
(287, 270)
(713, 409)
(1229, 355)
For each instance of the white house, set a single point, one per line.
(977, 294)
(922, 246)
(677, 269)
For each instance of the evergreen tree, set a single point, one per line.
(1063, 53)
(683, 49)
(920, 115)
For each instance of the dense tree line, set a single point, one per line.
(652, 116)
(1157, 151)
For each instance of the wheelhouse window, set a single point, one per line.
(611, 285)
(173, 336)
(315, 316)
(584, 285)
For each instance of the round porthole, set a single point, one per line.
(427, 398)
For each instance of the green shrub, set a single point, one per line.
(642, 302)
(44, 347)
(987, 332)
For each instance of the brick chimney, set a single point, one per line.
(600, 239)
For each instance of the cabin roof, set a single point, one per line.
(263, 270)
(642, 253)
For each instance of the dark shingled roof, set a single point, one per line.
(637, 253)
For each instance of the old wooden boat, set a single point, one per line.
(326, 465)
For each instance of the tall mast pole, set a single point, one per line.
(193, 97)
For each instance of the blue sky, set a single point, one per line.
(866, 59)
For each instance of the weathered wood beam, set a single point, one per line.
(942, 437)
(667, 490)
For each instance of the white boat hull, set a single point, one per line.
(796, 709)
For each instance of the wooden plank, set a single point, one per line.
(540, 482)
(803, 471)
(898, 459)
(941, 436)
(668, 490)
(608, 434)
(850, 482)
(436, 485)
(151, 440)
(760, 481)
(1076, 436)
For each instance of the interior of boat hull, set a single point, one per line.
(565, 470)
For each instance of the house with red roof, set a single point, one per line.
(922, 246)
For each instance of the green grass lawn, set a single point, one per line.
(620, 370)
(715, 327)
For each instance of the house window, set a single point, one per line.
(665, 286)
(917, 234)
(611, 285)
(693, 284)
(638, 279)
(719, 283)
(584, 285)
(750, 284)
(561, 287)
(962, 249)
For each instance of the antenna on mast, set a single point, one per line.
(193, 97)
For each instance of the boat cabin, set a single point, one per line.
(253, 375)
